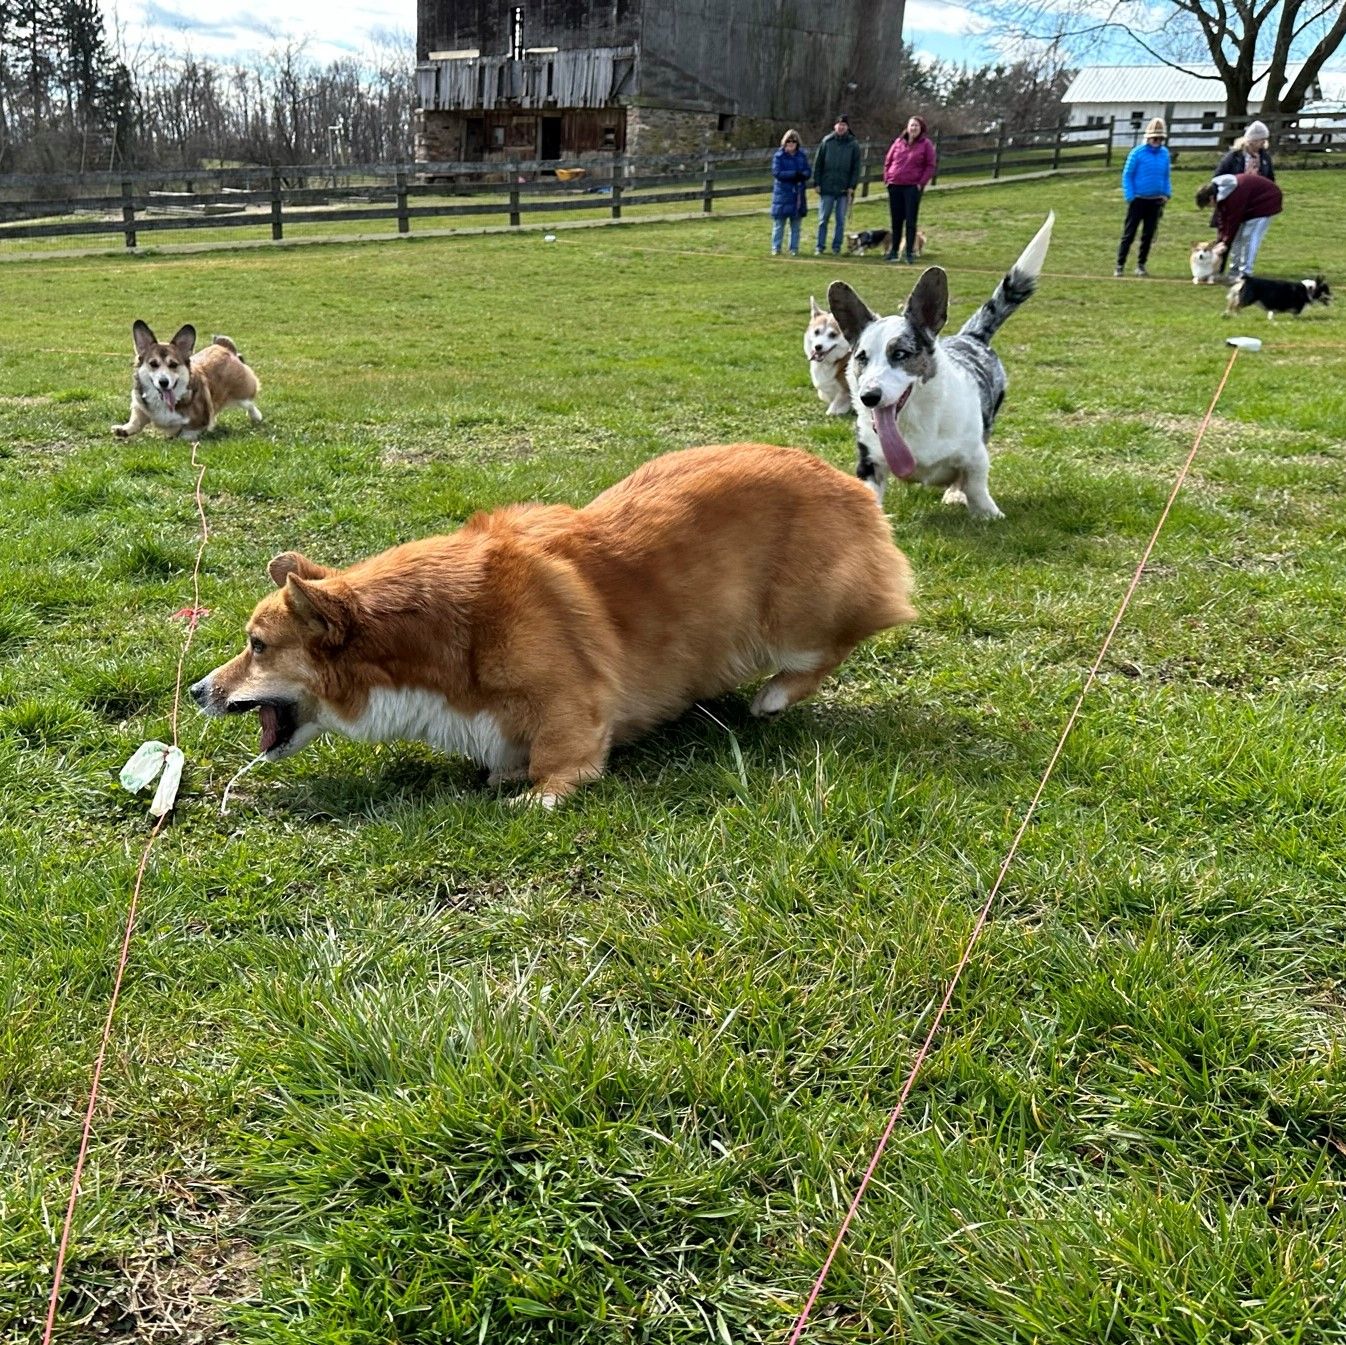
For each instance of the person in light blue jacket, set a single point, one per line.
(1147, 188)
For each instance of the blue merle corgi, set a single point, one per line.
(945, 394)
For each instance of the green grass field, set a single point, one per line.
(396, 1062)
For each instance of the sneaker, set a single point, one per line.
(817, 252)
(911, 261)
(1118, 271)
(775, 252)
(1141, 271)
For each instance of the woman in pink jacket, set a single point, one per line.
(907, 170)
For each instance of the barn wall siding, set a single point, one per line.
(452, 25)
(690, 72)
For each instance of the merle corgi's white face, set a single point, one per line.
(823, 340)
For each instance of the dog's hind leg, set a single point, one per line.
(979, 501)
(792, 685)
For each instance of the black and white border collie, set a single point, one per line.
(924, 407)
(1277, 296)
(859, 243)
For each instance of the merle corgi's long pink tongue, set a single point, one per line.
(901, 460)
(170, 399)
(270, 727)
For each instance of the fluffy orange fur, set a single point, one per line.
(576, 629)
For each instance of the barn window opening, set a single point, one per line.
(1136, 117)
(609, 137)
(1208, 121)
(516, 33)
(726, 123)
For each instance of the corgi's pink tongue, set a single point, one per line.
(270, 727)
(170, 399)
(901, 460)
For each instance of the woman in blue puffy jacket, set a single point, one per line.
(790, 169)
(1147, 188)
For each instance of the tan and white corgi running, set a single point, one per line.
(537, 636)
(827, 352)
(182, 392)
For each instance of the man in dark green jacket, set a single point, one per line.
(836, 170)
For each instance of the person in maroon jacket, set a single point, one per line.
(907, 170)
(1244, 204)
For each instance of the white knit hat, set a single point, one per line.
(1257, 130)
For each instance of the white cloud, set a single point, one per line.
(329, 29)
(939, 16)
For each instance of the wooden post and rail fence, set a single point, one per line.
(291, 197)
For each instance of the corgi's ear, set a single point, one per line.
(293, 562)
(928, 303)
(323, 608)
(814, 310)
(142, 336)
(849, 309)
(184, 340)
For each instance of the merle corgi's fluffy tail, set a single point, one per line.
(1018, 285)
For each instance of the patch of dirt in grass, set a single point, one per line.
(25, 401)
(180, 1289)
(399, 455)
(53, 451)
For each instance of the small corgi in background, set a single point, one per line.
(828, 353)
(1204, 263)
(182, 392)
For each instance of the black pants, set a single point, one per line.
(904, 204)
(1142, 213)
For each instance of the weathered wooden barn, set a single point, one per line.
(556, 79)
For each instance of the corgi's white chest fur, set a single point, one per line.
(425, 716)
(159, 411)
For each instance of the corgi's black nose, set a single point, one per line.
(871, 396)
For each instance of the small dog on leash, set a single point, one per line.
(1277, 296)
(827, 352)
(859, 243)
(946, 393)
(181, 392)
(537, 636)
(1204, 263)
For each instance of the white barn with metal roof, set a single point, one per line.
(1129, 95)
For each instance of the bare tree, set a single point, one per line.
(1235, 35)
